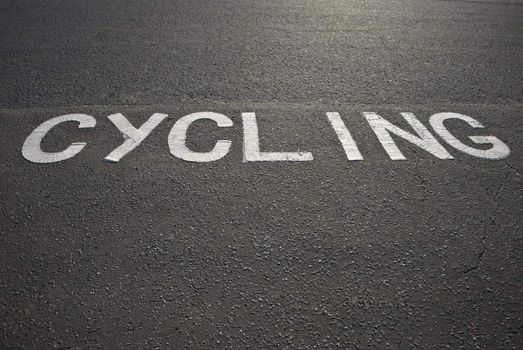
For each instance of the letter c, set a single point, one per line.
(32, 150)
(178, 135)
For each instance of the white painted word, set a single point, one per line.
(383, 129)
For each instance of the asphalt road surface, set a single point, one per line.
(155, 252)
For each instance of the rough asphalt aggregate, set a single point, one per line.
(157, 253)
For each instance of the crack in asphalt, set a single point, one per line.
(481, 254)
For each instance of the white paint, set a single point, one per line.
(425, 140)
(133, 137)
(251, 145)
(32, 151)
(499, 149)
(178, 135)
(345, 137)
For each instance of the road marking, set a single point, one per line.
(425, 140)
(251, 145)
(499, 149)
(32, 151)
(178, 135)
(345, 137)
(133, 137)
